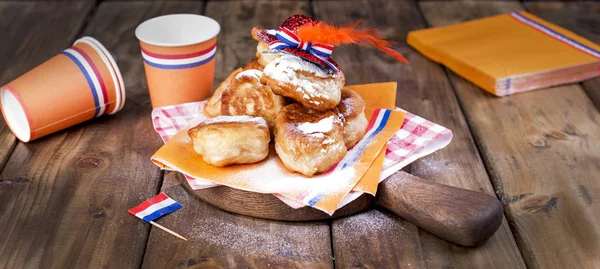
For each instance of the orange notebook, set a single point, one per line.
(510, 53)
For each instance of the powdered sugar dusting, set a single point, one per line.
(328, 141)
(267, 178)
(271, 169)
(323, 126)
(433, 167)
(280, 68)
(368, 224)
(346, 105)
(292, 69)
(222, 119)
(277, 242)
(381, 231)
(252, 73)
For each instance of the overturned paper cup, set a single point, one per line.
(179, 57)
(81, 83)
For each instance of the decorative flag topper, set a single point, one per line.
(314, 40)
(155, 208)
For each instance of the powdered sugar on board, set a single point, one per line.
(370, 222)
(363, 232)
(261, 239)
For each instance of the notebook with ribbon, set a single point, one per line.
(510, 53)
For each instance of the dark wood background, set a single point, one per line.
(64, 198)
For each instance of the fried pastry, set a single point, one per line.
(246, 95)
(311, 85)
(227, 140)
(254, 64)
(309, 141)
(264, 56)
(213, 105)
(352, 110)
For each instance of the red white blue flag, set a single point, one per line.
(155, 207)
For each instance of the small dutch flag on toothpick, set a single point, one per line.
(155, 208)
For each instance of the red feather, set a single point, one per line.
(350, 34)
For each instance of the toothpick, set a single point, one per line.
(167, 230)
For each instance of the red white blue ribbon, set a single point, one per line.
(376, 124)
(155, 207)
(181, 61)
(554, 34)
(92, 76)
(288, 39)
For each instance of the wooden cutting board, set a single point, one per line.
(267, 206)
(458, 215)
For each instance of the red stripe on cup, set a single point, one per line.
(180, 56)
(97, 73)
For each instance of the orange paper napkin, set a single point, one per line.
(510, 53)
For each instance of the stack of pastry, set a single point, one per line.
(294, 96)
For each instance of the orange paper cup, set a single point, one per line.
(81, 83)
(179, 57)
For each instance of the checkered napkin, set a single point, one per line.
(418, 137)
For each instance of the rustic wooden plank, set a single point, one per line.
(592, 89)
(7, 143)
(90, 1)
(582, 18)
(218, 239)
(542, 151)
(377, 239)
(424, 89)
(64, 198)
(223, 240)
(22, 50)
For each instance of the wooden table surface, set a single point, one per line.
(64, 198)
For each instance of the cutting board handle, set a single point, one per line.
(458, 215)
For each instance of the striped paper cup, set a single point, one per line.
(81, 83)
(179, 57)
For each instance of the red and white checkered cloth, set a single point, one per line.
(418, 137)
